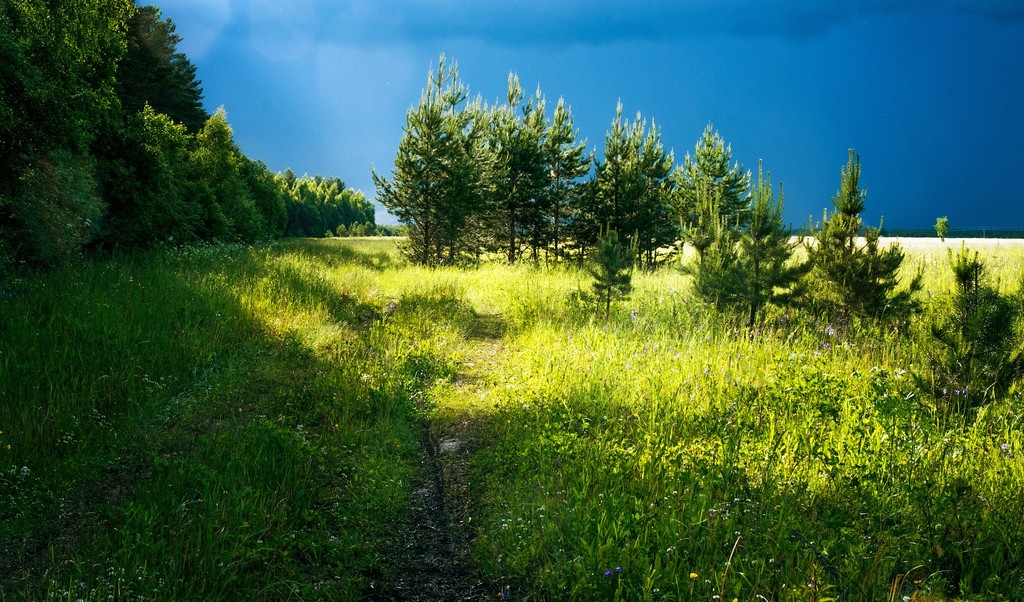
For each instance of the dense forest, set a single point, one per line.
(105, 145)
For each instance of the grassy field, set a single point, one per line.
(250, 423)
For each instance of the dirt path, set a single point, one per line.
(432, 559)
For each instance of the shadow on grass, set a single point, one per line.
(245, 466)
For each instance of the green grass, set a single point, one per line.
(222, 422)
(243, 423)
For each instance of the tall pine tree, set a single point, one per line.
(766, 247)
(518, 173)
(631, 190)
(153, 72)
(707, 174)
(567, 161)
(851, 276)
(436, 184)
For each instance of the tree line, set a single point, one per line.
(105, 144)
(510, 180)
(473, 179)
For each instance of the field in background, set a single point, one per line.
(248, 423)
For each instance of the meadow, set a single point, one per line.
(231, 422)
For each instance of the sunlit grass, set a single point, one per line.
(244, 423)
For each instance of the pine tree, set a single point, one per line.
(153, 72)
(632, 191)
(515, 136)
(977, 354)
(718, 275)
(853, 278)
(435, 187)
(705, 174)
(567, 161)
(751, 268)
(705, 219)
(612, 270)
(766, 248)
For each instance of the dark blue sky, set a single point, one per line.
(930, 93)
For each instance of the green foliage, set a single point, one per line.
(154, 73)
(268, 196)
(104, 144)
(977, 355)
(435, 186)
(750, 268)
(317, 205)
(942, 228)
(631, 188)
(568, 161)
(57, 64)
(854, 278)
(611, 267)
(146, 175)
(230, 213)
(518, 173)
(766, 247)
(708, 175)
(717, 270)
(56, 212)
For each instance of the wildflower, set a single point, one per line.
(632, 314)
(618, 569)
(608, 573)
(694, 575)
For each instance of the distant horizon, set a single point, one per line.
(923, 91)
